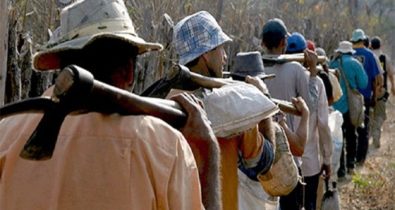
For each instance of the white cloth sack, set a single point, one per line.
(330, 200)
(251, 195)
(237, 107)
(335, 126)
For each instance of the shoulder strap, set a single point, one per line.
(343, 73)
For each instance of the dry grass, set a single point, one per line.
(373, 185)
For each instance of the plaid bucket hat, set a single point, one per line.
(197, 34)
(84, 22)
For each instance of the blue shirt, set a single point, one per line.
(263, 165)
(354, 73)
(366, 57)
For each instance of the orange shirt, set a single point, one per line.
(249, 143)
(100, 162)
(246, 142)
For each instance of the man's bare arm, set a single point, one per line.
(297, 140)
(205, 149)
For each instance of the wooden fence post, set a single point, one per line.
(3, 47)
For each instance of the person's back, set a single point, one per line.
(295, 77)
(370, 92)
(386, 64)
(104, 162)
(291, 78)
(250, 150)
(379, 111)
(319, 132)
(355, 76)
(366, 57)
(291, 81)
(368, 60)
(352, 70)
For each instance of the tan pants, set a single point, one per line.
(378, 117)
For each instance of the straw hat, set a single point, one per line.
(84, 22)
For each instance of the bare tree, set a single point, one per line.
(3, 47)
(323, 21)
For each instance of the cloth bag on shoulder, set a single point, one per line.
(356, 107)
(356, 104)
(235, 108)
(283, 176)
(336, 89)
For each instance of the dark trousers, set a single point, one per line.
(294, 200)
(349, 145)
(363, 135)
(310, 200)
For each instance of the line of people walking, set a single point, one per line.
(112, 161)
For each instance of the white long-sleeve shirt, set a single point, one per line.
(319, 137)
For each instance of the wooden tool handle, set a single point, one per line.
(114, 99)
(286, 107)
(208, 82)
(299, 57)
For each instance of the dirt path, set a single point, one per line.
(373, 185)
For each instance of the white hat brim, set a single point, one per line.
(345, 51)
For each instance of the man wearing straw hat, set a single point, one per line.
(357, 78)
(199, 42)
(108, 161)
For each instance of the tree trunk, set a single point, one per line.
(13, 83)
(3, 47)
(220, 9)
